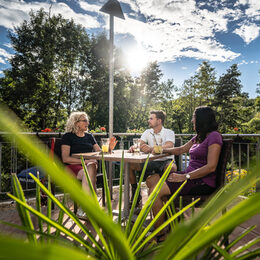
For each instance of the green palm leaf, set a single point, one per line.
(10, 248)
(70, 184)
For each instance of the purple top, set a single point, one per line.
(199, 154)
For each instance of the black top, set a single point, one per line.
(79, 144)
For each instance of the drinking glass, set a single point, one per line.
(158, 146)
(105, 145)
(136, 143)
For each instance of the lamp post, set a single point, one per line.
(113, 8)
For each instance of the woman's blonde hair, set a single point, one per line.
(73, 119)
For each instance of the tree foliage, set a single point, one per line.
(46, 70)
(58, 68)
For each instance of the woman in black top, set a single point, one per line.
(77, 140)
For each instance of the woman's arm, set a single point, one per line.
(179, 150)
(168, 144)
(66, 158)
(96, 148)
(212, 162)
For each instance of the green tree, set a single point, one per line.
(147, 93)
(44, 80)
(205, 80)
(176, 115)
(227, 99)
(188, 94)
(258, 88)
(198, 90)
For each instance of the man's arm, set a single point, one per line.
(145, 147)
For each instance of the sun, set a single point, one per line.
(136, 60)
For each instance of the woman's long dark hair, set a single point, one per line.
(205, 122)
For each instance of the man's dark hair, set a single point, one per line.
(159, 115)
(205, 122)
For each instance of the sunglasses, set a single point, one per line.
(83, 121)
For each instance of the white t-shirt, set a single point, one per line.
(151, 138)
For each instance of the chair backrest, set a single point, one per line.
(55, 147)
(222, 162)
(178, 158)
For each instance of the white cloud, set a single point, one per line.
(14, 12)
(254, 9)
(89, 7)
(184, 68)
(2, 61)
(167, 30)
(243, 62)
(8, 45)
(248, 32)
(177, 28)
(4, 55)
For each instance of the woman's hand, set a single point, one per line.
(175, 177)
(90, 161)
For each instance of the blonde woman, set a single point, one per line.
(77, 140)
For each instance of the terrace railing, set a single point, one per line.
(245, 151)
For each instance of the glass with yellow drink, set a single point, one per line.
(157, 149)
(158, 145)
(105, 145)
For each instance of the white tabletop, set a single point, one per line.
(116, 156)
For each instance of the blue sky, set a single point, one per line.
(179, 34)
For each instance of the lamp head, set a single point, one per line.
(113, 8)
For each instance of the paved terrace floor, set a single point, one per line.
(8, 213)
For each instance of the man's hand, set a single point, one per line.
(131, 149)
(146, 148)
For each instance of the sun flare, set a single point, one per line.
(136, 60)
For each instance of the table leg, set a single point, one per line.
(126, 190)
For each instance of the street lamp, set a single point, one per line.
(113, 8)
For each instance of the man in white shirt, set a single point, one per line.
(157, 134)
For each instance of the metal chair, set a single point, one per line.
(220, 177)
(55, 146)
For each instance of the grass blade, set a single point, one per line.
(243, 248)
(250, 255)
(237, 215)
(107, 193)
(222, 252)
(135, 198)
(49, 205)
(69, 213)
(184, 232)
(38, 204)
(248, 230)
(121, 189)
(61, 216)
(91, 188)
(37, 155)
(53, 223)
(28, 251)
(23, 213)
(147, 207)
